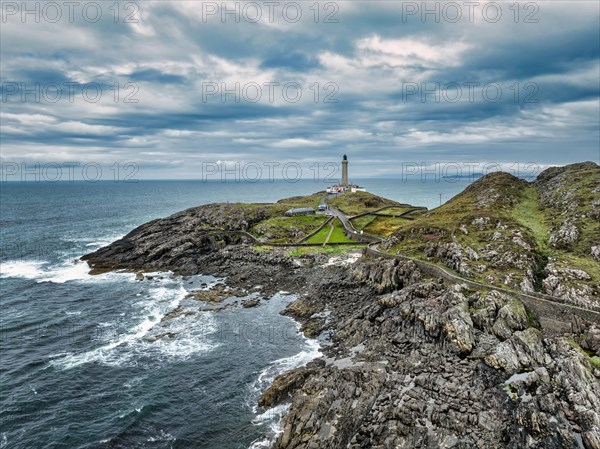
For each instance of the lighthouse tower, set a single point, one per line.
(345, 186)
(345, 171)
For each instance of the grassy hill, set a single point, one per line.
(359, 202)
(269, 222)
(505, 231)
(276, 227)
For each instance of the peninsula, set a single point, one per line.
(473, 325)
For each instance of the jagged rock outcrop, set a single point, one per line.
(565, 282)
(425, 366)
(386, 276)
(568, 194)
(175, 242)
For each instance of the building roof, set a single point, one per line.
(299, 210)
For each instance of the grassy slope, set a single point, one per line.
(361, 222)
(372, 224)
(572, 194)
(385, 226)
(488, 216)
(277, 227)
(333, 249)
(359, 202)
(338, 235)
(299, 201)
(529, 214)
(396, 210)
(283, 229)
(480, 221)
(320, 236)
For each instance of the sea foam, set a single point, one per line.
(189, 336)
(275, 414)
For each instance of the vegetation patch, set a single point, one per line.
(320, 236)
(385, 226)
(328, 249)
(475, 234)
(359, 223)
(397, 210)
(415, 214)
(359, 202)
(283, 229)
(338, 235)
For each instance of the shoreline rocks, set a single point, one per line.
(409, 362)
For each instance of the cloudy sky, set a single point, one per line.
(188, 84)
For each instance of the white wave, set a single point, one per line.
(27, 269)
(189, 337)
(67, 271)
(129, 412)
(162, 436)
(59, 273)
(267, 376)
(275, 414)
(42, 271)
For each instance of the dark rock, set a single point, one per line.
(251, 303)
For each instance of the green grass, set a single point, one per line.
(262, 248)
(338, 235)
(528, 213)
(361, 222)
(331, 249)
(396, 210)
(415, 214)
(320, 236)
(299, 201)
(282, 229)
(385, 226)
(359, 202)
(492, 199)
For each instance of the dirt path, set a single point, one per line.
(328, 235)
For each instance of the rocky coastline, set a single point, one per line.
(408, 360)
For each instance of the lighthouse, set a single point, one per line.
(345, 171)
(344, 185)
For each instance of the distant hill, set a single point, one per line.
(540, 236)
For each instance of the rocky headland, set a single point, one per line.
(411, 360)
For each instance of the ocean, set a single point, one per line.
(84, 359)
